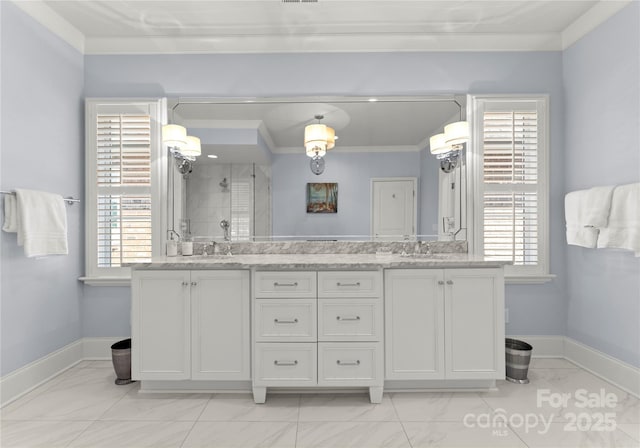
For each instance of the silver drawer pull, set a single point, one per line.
(348, 318)
(286, 363)
(185, 283)
(440, 282)
(348, 284)
(348, 363)
(449, 282)
(276, 284)
(279, 321)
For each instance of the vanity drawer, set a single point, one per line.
(350, 364)
(285, 320)
(350, 320)
(284, 284)
(286, 364)
(347, 284)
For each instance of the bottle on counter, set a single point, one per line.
(187, 247)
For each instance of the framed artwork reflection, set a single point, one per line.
(322, 198)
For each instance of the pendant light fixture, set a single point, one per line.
(319, 138)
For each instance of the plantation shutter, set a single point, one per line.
(123, 176)
(512, 149)
(241, 210)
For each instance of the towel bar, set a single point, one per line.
(69, 200)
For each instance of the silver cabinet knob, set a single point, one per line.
(449, 282)
(194, 283)
(440, 282)
(185, 283)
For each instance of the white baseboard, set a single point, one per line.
(26, 378)
(21, 381)
(544, 346)
(621, 374)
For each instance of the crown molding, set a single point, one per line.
(55, 23)
(336, 43)
(590, 20)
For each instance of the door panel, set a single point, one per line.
(393, 208)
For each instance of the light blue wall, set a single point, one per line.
(533, 309)
(352, 172)
(42, 135)
(602, 97)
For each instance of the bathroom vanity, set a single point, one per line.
(317, 321)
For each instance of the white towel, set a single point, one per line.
(623, 229)
(597, 206)
(586, 212)
(10, 214)
(42, 223)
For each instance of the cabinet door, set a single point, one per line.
(160, 321)
(414, 324)
(220, 322)
(474, 310)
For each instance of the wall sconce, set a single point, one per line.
(448, 145)
(184, 148)
(179, 143)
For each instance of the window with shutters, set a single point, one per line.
(241, 210)
(510, 153)
(122, 145)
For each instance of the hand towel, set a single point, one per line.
(42, 223)
(586, 212)
(596, 206)
(577, 233)
(623, 229)
(10, 214)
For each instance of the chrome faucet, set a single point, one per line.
(212, 245)
(225, 227)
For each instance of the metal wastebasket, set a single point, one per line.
(518, 356)
(121, 357)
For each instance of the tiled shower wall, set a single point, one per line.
(245, 201)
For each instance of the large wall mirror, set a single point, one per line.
(255, 182)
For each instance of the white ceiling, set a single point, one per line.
(241, 26)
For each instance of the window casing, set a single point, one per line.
(123, 186)
(510, 183)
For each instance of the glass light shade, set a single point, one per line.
(192, 147)
(318, 138)
(174, 135)
(437, 144)
(456, 133)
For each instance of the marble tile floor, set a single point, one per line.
(563, 406)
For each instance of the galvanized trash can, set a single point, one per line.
(121, 357)
(518, 356)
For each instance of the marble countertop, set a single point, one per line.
(317, 262)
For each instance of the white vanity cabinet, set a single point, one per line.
(190, 325)
(316, 329)
(444, 324)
